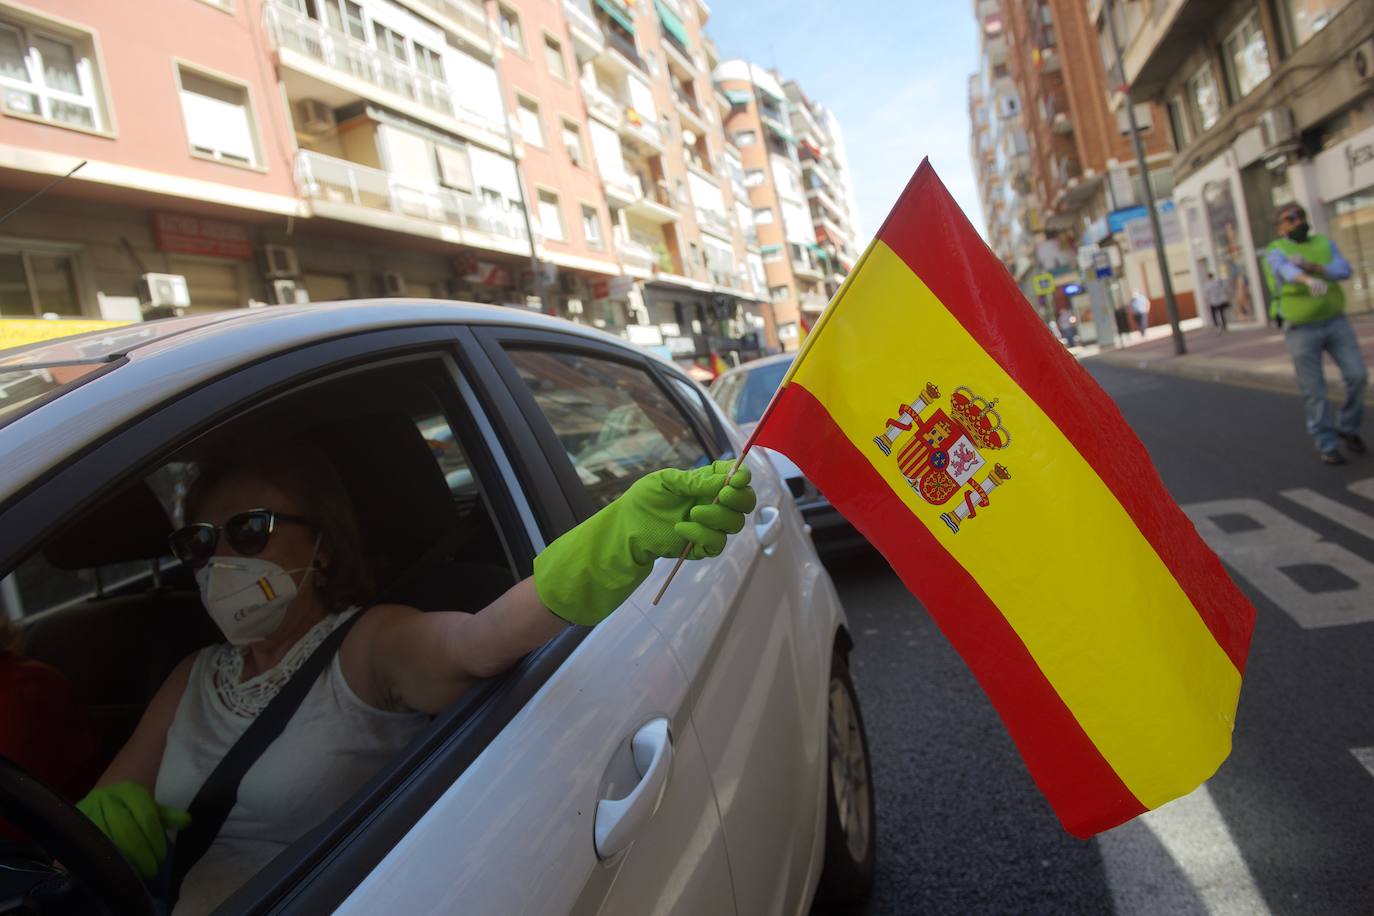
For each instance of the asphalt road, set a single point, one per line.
(1286, 825)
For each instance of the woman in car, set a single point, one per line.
(276, 552)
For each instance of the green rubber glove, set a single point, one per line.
(126, 813)
(587, 573)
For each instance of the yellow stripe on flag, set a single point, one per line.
(1120, 643)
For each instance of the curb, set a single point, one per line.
(1211, 372)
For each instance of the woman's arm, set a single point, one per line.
(424, 661)
(141, 756)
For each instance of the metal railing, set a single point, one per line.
(600, 100)
(465, 12)
(642, 126)
(352, 57)
(325, 178)
(712, 220)
(635, 252)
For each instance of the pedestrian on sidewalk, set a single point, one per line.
(1068, 327)
(1218, 293)
(1140, 305)
(1304, 271)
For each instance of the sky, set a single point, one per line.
(894, 72)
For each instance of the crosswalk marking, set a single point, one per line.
(1365, 755)
(1338, 512)
(1179, 859)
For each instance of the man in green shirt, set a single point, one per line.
(1303, 271)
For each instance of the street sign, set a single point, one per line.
(1102, 265)
(1043, 284)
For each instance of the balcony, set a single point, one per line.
(637, 128)
(804, 268)
(603, 105)
(465, 18)
(343, 190)
(339, 68)
(636, 255)
(622, 188)
(677, 55)
(714, 223)
(690, 113)
(813, 303)
(588, 41)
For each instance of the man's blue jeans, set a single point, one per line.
(1305, 344)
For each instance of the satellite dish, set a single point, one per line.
(689, 138)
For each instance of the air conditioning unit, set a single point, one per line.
(1277, 127)
(288, 292)
(281, 261)
(314, 117)
(393, 284)
(1362, 61)
(164, 290)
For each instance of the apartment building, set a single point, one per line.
(1269, 102)
(1000, 149)
(828, 185)
(246, 152)
(1060, 173)
(656, 134)
(758, 126)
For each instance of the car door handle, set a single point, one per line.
(768, 525)
(618, 821)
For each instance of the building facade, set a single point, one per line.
(570, 157)
(1269, 102)
(828, 185)
(1058, 171)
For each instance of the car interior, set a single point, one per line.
(107, 606)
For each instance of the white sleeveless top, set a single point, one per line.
(333, 744)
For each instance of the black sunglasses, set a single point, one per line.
(246, 532)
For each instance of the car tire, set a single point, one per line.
(850, 839)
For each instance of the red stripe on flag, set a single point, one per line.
(929, 233)
(1083, 789)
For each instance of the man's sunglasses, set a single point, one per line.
(247, 532)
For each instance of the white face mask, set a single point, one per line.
(248, 597)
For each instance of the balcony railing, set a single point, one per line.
(324, 178)
(636, 253)
(642, 127)
(603, 102)
(467, 13)
(292, 31)
(711, 220)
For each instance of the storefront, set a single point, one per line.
(1216, 223)
(1345, 185)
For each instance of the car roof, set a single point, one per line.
(745, 368)
(160, 359)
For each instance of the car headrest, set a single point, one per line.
(130, 526)
(404, 505)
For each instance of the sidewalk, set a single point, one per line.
(1242, 356)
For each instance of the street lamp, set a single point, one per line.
(1170, 304)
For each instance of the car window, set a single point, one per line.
(615, 422)
(102, 601)
(696, 405)
(745, 396)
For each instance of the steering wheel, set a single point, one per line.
(70, 838)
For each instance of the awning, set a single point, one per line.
(769, 249)
(738, 96)
(673, 23)
(619, 14)
(778, 129)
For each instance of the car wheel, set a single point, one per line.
(847, 875)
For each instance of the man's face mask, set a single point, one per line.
(247, 597)
(1299, 231)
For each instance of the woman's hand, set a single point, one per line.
(136, 824)
(587, 573)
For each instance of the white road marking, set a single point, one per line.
(1365, 755)
(1272, 541)
(1179, 859)
(1339, 513)
(1363, 488)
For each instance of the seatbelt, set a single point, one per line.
(219, 793)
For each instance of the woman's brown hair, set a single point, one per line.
(302, 469)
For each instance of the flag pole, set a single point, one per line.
(791, 371)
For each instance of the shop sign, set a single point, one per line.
(644, 335)
(601, 289)
(182, 234)
(1043, 284)
(681, 346)
(1347, 167)
(487, 273)
(621, 286)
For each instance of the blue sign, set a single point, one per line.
(1073, 289)
(1103, 273)
(1117, 219)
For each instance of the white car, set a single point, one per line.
(743, 393)
(702, 756)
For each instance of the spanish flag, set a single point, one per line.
(942, 418)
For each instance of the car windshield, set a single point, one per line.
(21, 388)
(747, 395)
